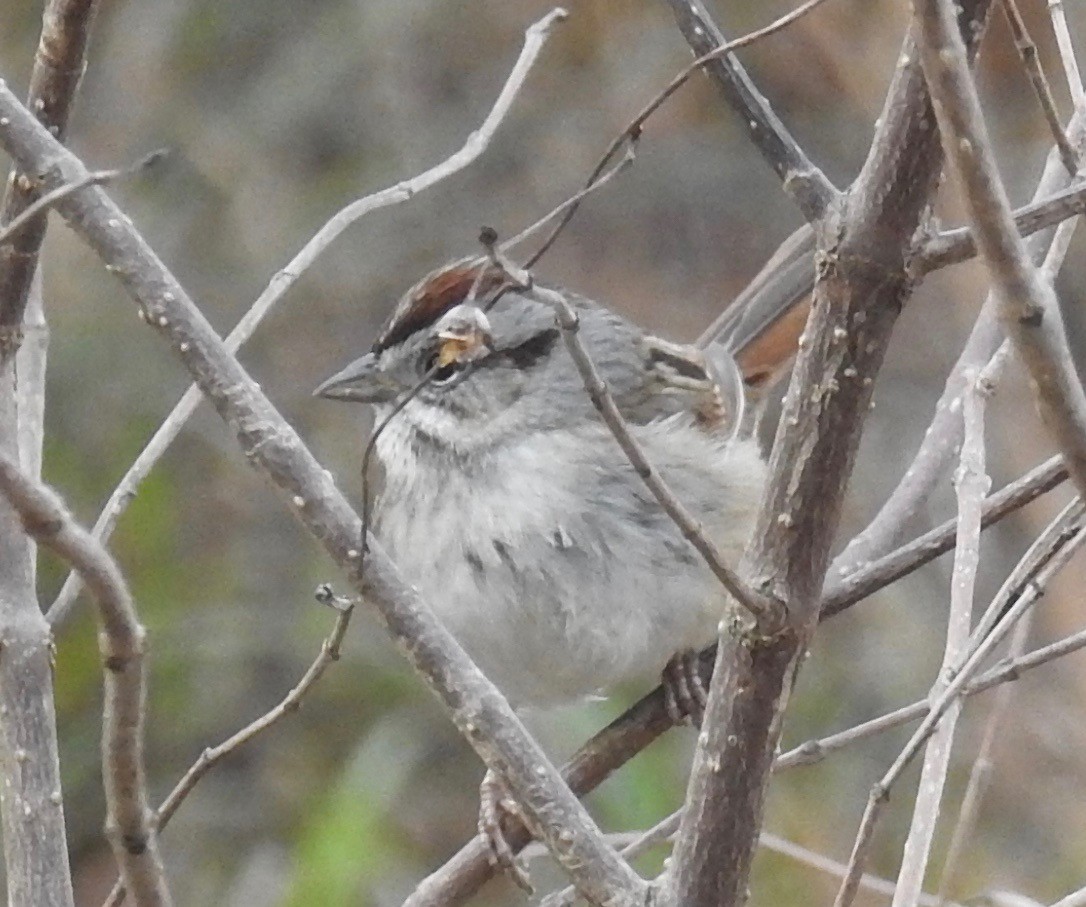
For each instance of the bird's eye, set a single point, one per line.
(440, 374)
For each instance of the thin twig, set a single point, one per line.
(957, 245)
(1028, 306)
(566, 209)
(94, 178)
(1031, 62)
(766, 611)
(811, 752)
(167, 432)
(1063, 548)
(980, 773)
(837, 869)
(129, 823)
(213, 755)
(971, 483)
(911, 556)
(802, 181)
(634, 128)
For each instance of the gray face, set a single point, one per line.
(523, 381)
(470, 404)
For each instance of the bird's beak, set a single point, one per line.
(360, 382)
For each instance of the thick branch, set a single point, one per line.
(861, 287)
(129, 820)
(476, 707)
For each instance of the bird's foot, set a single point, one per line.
(685, 693)
(496, 806)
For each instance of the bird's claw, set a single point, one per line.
(495, 805)
(685, 695)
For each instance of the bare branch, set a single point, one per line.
(1028, 306)
(94, 178)
(924, 549)
(1061, 540)
(766, 611)
(812, 752)
(633, 130)
(980, 773)
(943, 436)
(478, 710)
(54, 82)
(861, 288)
(1067, 55)
(957, 245)
(213, 755)
(129, 823)
(164, 436)
(971, 484)
(804, 183)
(1031, 62)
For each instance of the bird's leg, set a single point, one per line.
(495, 805)
(685, 694)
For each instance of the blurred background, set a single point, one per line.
(277, 114)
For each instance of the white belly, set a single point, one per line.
(561, 578)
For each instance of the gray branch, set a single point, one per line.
(130, 824)
(1027, 302)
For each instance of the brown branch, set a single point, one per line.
(767, 612)
(477, 143)
(129, 823)
(862, 286)
(866, 580)
(957, 245)
(54, 81)
(475, 706)
(213, 755)
(804, 183)
(1031, 63)
(1028, 306)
